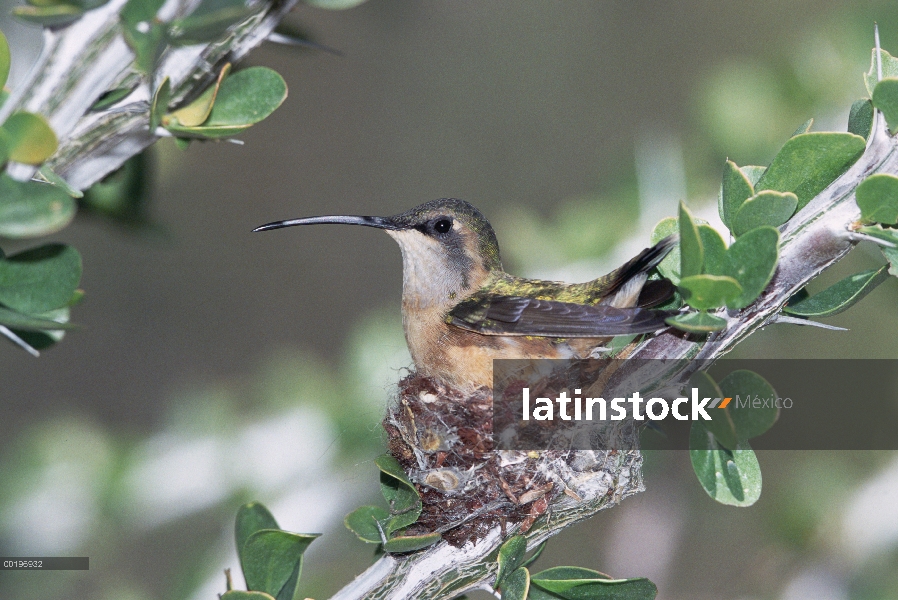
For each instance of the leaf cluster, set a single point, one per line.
(377, 525)
(270, 557)
(515, 582)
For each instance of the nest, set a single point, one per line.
(443, 437)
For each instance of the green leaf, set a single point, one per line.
(803, 128)
(197, 112)
(766, 208)
(241, 595)
(714, 250)
(208, 26)
(251, 518)
(734, 190)
(839, 297)
(751, 261)
(31, 208)
(691, 252)
(576, 583)
(809, 162)
(400, 493)
(40, 279)
(885, 98)
(703, 292)
(137, 11)
(159, 105)
(50, 176)
(363, 522)
(16, 320)
(891, 255)
(721, 423)
(30, 138)
(696, 322)
(5, 60)
(860, 118)
(48, 16)
(244, 98)
(111, 97)
(877, 197)
(753, 174)
(273, 558)
(568, 573)
(144, 33)
(889, 69)
(731, 477)
(511, 556)
(44, 338)
(889, 235)
(670, 266)
(410, 543)
(749, 420)
(517, 585)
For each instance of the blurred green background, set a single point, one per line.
(217, 366)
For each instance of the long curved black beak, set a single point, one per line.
(378, 222)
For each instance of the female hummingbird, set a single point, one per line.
(461, 310)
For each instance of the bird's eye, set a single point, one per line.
(442, 225)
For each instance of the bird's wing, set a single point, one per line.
(517, 315)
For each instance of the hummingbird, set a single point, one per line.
(461, 310)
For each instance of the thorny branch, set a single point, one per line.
(80, 62)
(814, 239)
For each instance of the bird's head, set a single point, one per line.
(448, 248)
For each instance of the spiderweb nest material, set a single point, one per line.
(443, 437)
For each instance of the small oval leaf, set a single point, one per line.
(751, 261)
(839, 297)
(511, 556)
(517, 585)
(809, 162)
(411, 543)
(244, 98)
(877, 197)
(704, 292)
(196, 113)
(889, 69)
(731, 477)
(885, 98)
(274, 557)
(5, 60)
(714, 250)
(766, 208)
(31, 209)
(860, 118)
(691, 252)
(40, 279)
(251, 517)
(750, 417)
(697, 322)
(160, 104)
(721, 423)
(363, 522)
(48, 16)
(17, 320)
(734, 190)
(30, 138)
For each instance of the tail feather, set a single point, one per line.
(631, 272)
